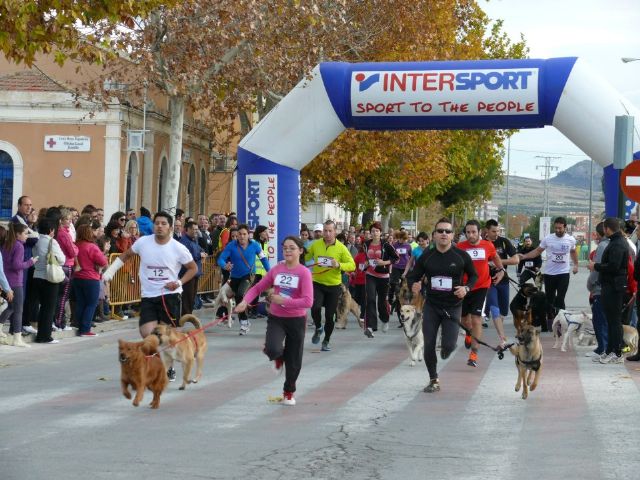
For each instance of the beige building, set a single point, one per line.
(60, 149)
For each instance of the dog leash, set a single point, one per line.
(499, 349)
(191, 334)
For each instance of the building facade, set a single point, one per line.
(60, 148)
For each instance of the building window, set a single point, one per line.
(203, 191)
(162, 180)
(191, 194)
(6, 185)
(132, 182)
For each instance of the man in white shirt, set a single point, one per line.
(561, 249)
(161, 258)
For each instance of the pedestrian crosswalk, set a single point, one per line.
(360, 412)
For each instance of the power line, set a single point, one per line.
(550, 153)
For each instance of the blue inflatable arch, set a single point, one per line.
(483, 94)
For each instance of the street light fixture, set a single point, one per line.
(629, 59)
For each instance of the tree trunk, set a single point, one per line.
(367, 218)
(385, 222)
(172, 182)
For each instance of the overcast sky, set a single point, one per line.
(601, 32)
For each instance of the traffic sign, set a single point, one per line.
(630, 181)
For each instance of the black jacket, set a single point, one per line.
(388, 253)
(613, 265)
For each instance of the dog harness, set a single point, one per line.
(533, 364)
(567, 316)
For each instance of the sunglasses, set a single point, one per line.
(122, 219)
(443, 230)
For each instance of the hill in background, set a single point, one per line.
(568, 192)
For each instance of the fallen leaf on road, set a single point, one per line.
(104, 379)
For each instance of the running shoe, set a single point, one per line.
(89, 334)
(288, 398)
(325, 347)
(598, 358)
(171, 374)
(473, 359)
(29, 329)
(612, 358)
(368, 332)
(434, 386)
(277, 365)
(467, 341)
(316, 335)
(385, 327)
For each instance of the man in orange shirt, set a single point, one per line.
(481, 252)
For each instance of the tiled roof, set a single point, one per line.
(29, 81)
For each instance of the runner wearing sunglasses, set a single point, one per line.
(449, 275)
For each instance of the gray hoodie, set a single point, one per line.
(593, 282)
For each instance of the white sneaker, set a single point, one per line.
(244, 329)
(597, 358)
(54, 341)
(612, 358)
(54, 328)
(68, 328)
(368, 332)
(385, 327)
(591, 354)
(29, 329)
(288, 398)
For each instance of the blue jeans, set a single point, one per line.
(600, 325)
(86, 293)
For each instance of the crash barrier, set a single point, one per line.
(124, 288)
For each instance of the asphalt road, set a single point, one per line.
(361, 413)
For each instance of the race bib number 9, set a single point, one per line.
(325, 261)
(477, 254)
(443, 284)
(286, 280)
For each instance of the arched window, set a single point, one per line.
(6, 185)
(162, 180)
(191, 193)
(203, 192)
(131, 194)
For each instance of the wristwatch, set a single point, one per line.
(466, 287)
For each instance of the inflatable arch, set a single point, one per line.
(483, 94)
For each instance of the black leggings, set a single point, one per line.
(240, 287)
(376, 287)
(285, 338)
(555, 287)
(325, 296)
(432, 319)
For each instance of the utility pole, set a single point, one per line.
(548, 168)
(506, 215)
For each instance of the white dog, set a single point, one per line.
(587, 335)
(566, 325)
(225, 298)
(412, 326)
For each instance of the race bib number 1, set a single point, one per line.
(325, 261)
(443, 284)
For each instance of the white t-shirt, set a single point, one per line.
(558, 248)
(159, 264)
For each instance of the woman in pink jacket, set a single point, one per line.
(86, 280)
(290, 298)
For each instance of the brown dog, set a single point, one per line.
(141, 369)
(346, 304)
(528, 355)
(184, 347)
